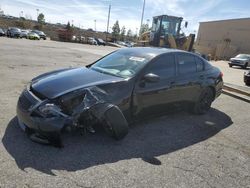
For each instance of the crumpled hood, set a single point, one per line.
(57, 83)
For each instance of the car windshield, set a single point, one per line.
(243, 56)
(120, 64)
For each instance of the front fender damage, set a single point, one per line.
(93, 107)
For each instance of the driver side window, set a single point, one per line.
(164, 67)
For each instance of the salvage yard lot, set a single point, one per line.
(177, 150)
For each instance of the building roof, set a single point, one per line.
(235, 19)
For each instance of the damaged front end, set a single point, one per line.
(45, 119)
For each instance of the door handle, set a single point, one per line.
(172, 84)
(201, 77)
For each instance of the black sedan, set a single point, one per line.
(124, 86)
(247, 78)
(100, 41)
(13, 32)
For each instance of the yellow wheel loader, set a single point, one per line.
(165, 32)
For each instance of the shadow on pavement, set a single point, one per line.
(146, 140)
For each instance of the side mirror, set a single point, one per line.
(151, 78)
(186, 24)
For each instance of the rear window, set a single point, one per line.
(199, 64)
(186, 63)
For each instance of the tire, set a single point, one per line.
(230, 65)
(204, 103)
(245, 66)
(115, 124)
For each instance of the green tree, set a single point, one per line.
(68, 27)
(129, 34)
(116, 30)
(40, 18)
(144, 28)
(123, 32)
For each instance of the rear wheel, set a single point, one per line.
(204, 102)
(115, 124)
(230, 65)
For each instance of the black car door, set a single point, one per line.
(190, 76)
(152, 97)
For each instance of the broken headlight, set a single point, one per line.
(70, 101)
(49, 110)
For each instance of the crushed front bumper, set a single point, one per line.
(28, 118)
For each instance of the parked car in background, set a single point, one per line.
(100, 41)
(41, 34)
(78, 38)
(128, 44)
(124, 86)
(91, 41)
(121, 43)
(247, 78)
(242, 60)
(13, 32)
(24, 34)
(33, 36)
(2, 33)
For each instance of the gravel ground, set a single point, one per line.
(177, 150)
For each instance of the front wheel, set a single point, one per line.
(230, 65)
(115, 124)
(204, 102)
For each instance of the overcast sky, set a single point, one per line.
(128, 12)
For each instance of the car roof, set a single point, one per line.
(152, 51)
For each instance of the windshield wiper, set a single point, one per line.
(104, 72)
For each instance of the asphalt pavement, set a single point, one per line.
(175, 150)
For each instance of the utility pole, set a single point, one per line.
(95, 25)
(37, 11)
(108, 23)
(142, 15)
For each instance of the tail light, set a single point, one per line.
(221, 74)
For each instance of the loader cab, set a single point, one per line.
(163, 26)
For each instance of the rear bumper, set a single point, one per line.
(218, 88)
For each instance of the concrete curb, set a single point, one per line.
(237, 89)
(237, 92)
(236, 96)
